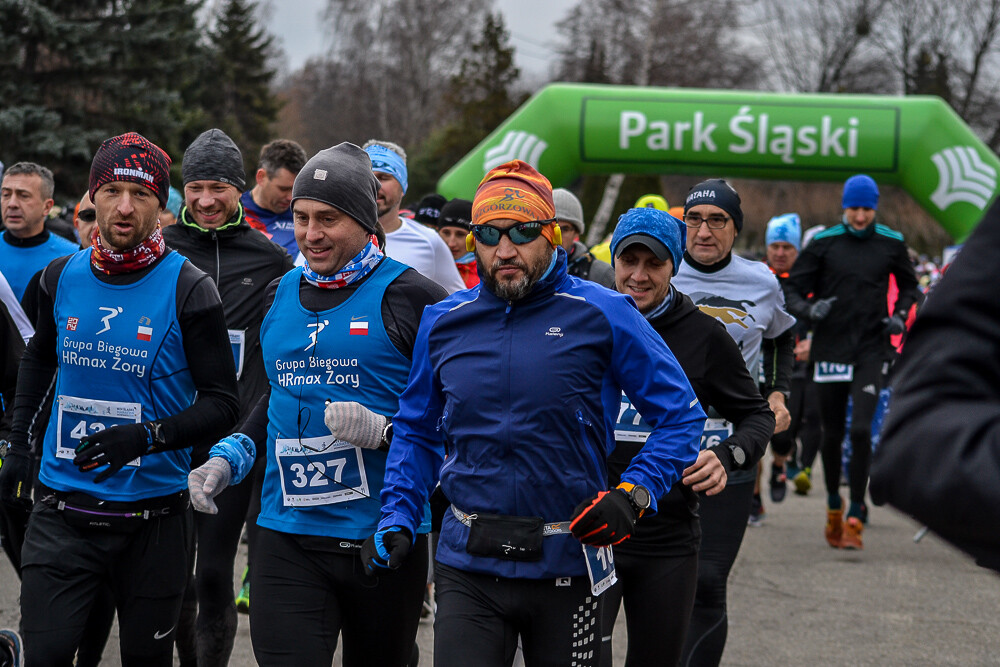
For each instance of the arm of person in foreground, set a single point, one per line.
(939, 456)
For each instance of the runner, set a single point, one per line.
(746, 297)
(137, 335)
(581, 262)
(453, 226)
(657, 568)
(267, 205)
(514, 376)
(213, 233)
(847, 268)
(338, 331)
(408, 241)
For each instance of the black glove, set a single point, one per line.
(603, 519)
(387, 548)
(16, 478)
(116, 446)
(821, 308)
(894, 325)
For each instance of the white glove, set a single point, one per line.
(208, 481)
(354, 423)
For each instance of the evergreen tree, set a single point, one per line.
(479, 98)
(236, 88)
(79, 71)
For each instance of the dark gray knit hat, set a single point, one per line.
(342, 177)
(213, 156)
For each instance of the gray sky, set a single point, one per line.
(531, 23)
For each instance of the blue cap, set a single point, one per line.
(657, 230)
(785, 228)
(860, 191)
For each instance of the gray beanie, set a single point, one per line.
(341, 177)
(213, 157)
(568, 208)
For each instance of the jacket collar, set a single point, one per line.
(230, 226)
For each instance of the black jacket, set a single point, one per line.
(856, 271)
(938, 457)
(242, 262)
(714, 365)
(582, 264)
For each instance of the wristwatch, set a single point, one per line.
(638, 496)
(386, 436)
(739, 456)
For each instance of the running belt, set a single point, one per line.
(548, 529)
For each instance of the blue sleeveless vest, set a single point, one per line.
(313, 483)
(121, 361)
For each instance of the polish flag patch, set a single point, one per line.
(359, 328)
(145, 333)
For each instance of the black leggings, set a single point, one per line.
(832, 396)
(304, 598)
(659, 595)
(480, 617)
(66, 569)
(210, 592)
(804, 411)
(723, 522)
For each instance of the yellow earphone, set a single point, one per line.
(470, 240)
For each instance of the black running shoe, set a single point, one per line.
(779, 483)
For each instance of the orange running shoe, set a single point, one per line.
(851, 537)
(834, 527)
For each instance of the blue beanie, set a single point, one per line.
(785, 228)
(657, 230)
(860, 191)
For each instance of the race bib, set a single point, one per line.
(716, 430)
(827, 371)
(630, 427)
(237, 339)
(600, 568)
(79, 417)
(320, 471)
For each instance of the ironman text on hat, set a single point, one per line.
(516, 145)
(962, 176)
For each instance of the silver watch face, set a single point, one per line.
(640, 496)
(739, 456)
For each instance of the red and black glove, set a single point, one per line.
(116, 446)
(604, 519)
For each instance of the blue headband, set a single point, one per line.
(389, 162)
(785, 228)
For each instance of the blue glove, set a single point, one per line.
(386, 549)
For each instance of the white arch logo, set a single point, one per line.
(962, 176)
(516, 145)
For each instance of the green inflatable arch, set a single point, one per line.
(918, 143)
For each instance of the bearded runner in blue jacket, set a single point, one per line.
(518, 381)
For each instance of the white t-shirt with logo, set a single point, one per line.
(745, 296)
(422, 248)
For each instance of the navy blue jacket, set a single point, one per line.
(524, 395)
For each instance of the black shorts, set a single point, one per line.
(479, 618)
(65, 569)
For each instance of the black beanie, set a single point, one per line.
(341, 177)
(213, 157)
(717, 192)
(456, 213)
(429, 208)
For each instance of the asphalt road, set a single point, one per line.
(794, 600)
